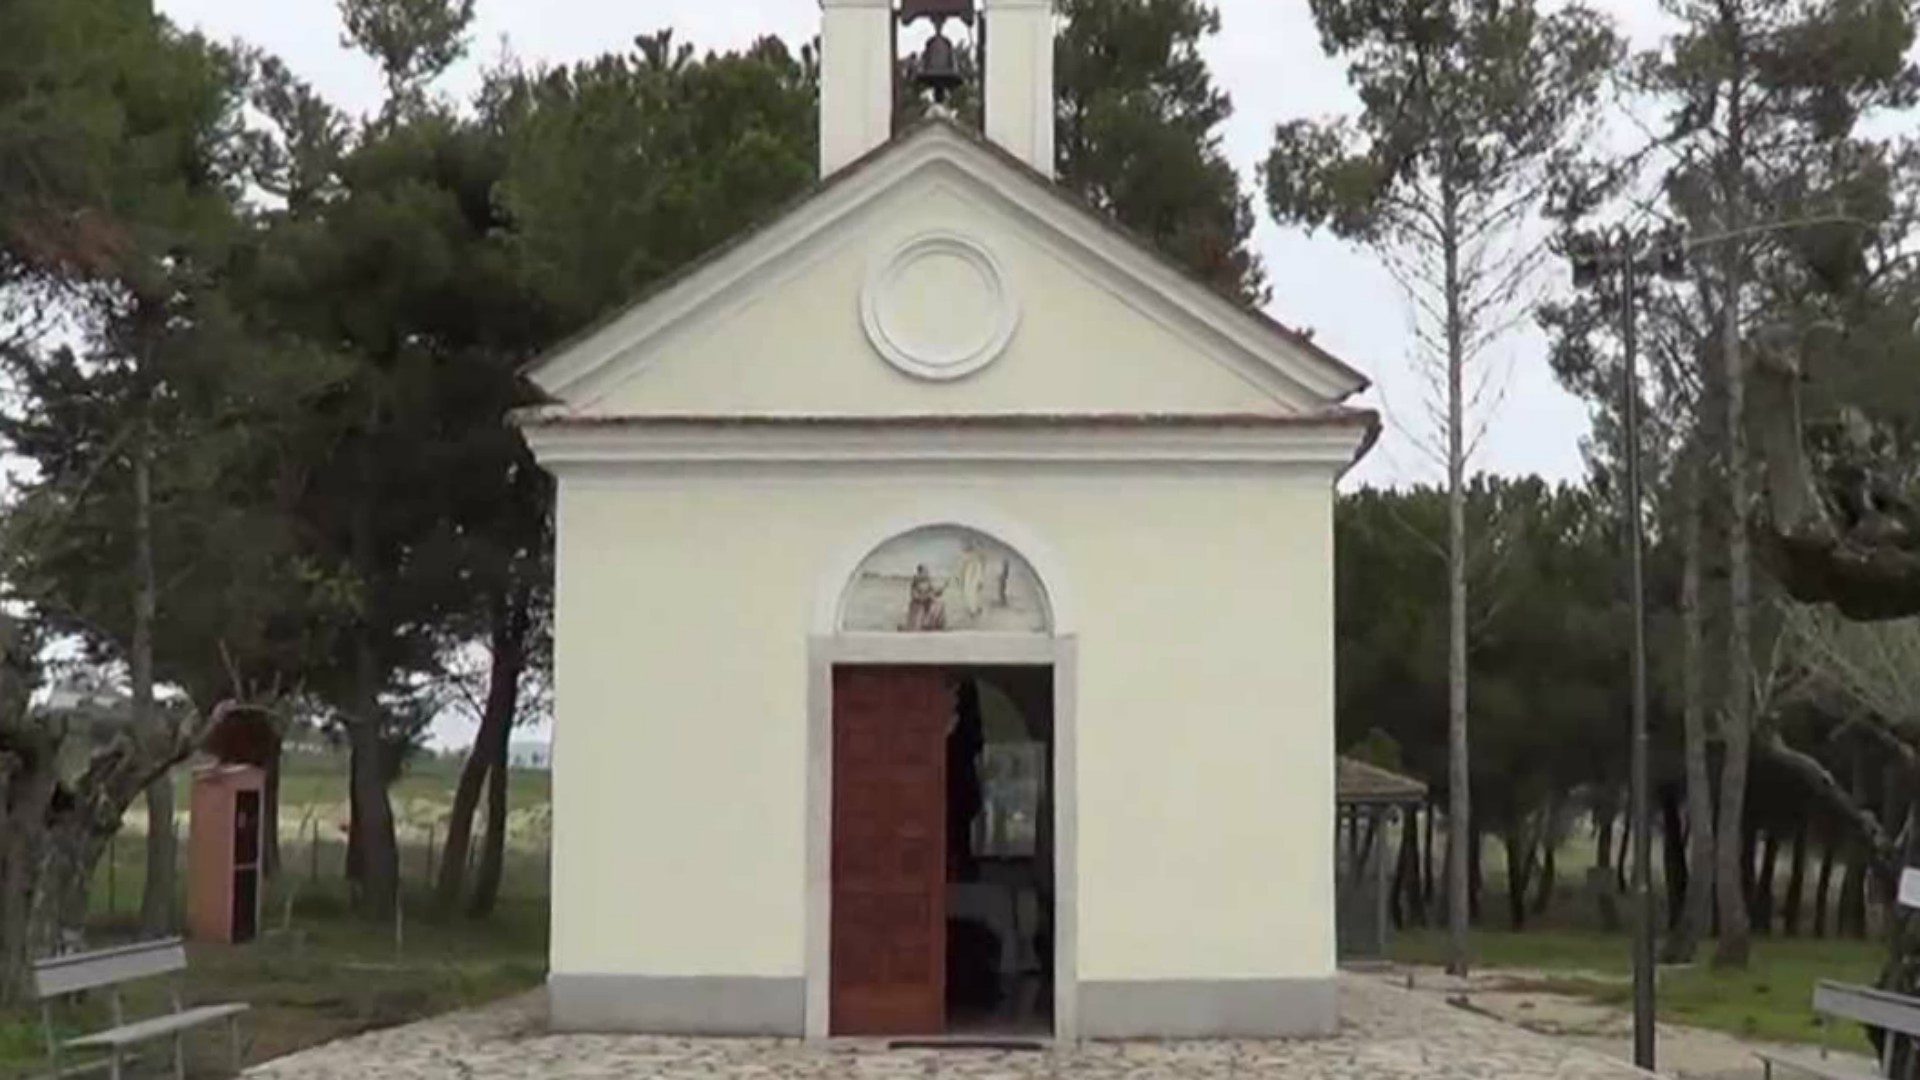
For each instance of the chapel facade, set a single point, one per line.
(944, 629)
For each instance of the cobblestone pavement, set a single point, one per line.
(1386, 1033)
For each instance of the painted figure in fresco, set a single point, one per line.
(924, 608)
(972, 576)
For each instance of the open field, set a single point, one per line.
(313, 834)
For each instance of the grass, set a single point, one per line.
(1769, 1000)
(332, 977)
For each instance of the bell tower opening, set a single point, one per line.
(1008, 43)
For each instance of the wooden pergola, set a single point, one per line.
(1370, 800)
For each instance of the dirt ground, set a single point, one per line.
(1512, 995)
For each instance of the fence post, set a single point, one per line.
(313, 852)
(113, 873)
(433, 832)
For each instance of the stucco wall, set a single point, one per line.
(1202, 601)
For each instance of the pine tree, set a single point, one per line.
(1464, 104)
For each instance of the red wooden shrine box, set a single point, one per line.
(225, 845)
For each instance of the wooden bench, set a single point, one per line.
(1896, 1014)
(111, 969)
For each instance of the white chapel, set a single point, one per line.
(945, 635)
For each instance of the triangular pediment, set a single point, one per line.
(938, 277)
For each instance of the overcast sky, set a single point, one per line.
(1267, 56)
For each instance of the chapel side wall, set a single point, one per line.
(1202, 603)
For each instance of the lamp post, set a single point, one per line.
(1626, 253)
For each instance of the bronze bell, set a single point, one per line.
(937, 10)
(939, 69)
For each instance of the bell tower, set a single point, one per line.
(859, 55)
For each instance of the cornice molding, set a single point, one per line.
(560, 445)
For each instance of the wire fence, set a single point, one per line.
(312, 861)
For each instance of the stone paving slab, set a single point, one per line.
(1386, 1033)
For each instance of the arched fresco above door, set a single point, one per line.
(942, 579)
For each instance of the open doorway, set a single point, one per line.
(1000, 887)
(942, 860)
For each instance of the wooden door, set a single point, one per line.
(888, 926)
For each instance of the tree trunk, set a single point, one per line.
(1604, 813)
(1697, 915)
(1426, 863)
(1673, 847)
(1895, 805)
(1519, 873)
(376, 854)
(1549, 876)
(1476, 877)
(1749, 849)
(29, 773)
(1823, 887)
(503, 694)
(1406, 873)
(1851, 917)
(1796, 882)
(1737, 719)
(1851, 920)
(487, 876)
(490, 743)
(373, 851)
(1763, 895)
(1626, 852)
(1459, 817)
(466, 799)
(156, 896)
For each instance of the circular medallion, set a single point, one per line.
(939, 307)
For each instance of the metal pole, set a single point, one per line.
(1643, 1016)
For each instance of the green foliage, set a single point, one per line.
(1139, 133)
(1460, 97)
(1799, 208)
(621, 170)
(414, 41)
(60, 118)
(1545, 634)
(165, 371)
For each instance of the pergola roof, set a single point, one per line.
(1361, 783)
